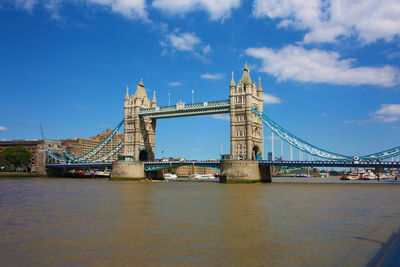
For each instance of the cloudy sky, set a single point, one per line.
(330, 69)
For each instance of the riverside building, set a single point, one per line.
(78, 147)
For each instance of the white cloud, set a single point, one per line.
(184, 42)
(3, 128)
(187, 42)
(210, 76)
(175, 83)
(25, 4)
(327, 20)
(387, 113)
(358, 122)
(53, 7)
(270, 99)
(220, 9)
(131, 9)
(224, 117)
(319, 66)
(206, 49)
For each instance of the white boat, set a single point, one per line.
(170, 176)
(105, 173)
(202, 176)
(350, 176)
(303, 175)
(369, 175)
(359, 175)
(386, 176)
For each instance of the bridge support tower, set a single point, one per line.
(42, 157)
(246, 133)
(139, 131)
(139, 136)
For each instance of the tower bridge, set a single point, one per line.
(140, 115)
(245, 162)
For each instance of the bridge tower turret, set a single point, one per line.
(154, 101)
(246, 127)
(139, 135)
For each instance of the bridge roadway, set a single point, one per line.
(215, 164)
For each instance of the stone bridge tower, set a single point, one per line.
(246, 127)
(139, 131)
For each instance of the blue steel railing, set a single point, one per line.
(96, 149)
(151, 166)
(296, 141)
(302, 145)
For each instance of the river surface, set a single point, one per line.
(49, 222)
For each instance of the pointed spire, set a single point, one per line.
(233, 84)
(154, 101)
(127, 93)
(140, 91)
(246, 76)
(259, 84)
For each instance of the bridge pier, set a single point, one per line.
(244, 171)
(128, 170)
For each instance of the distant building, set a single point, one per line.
(183, 171)
(78, 147)
(269, 155)
(30, 145)
(37, 148)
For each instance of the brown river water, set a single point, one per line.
(63, 222)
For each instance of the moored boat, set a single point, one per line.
(202, 176)
(170, 176)
(351, 176)
(369, 175)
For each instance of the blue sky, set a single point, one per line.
(329, 69)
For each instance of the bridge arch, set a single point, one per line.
(255, 153)
(146, 155)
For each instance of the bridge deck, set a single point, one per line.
(204, 108)
(216, 163)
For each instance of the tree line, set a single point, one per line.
(15, 156)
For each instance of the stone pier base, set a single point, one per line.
(244, 171)
(127, 170)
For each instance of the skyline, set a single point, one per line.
(330, 73)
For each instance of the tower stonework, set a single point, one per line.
(139, 131)
(246, 127)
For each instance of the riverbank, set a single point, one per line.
(20, 175)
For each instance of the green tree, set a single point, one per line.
(2, 160)
(16, 156)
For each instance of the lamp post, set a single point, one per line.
(272, 144)
(192, 96)
(169, 99)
